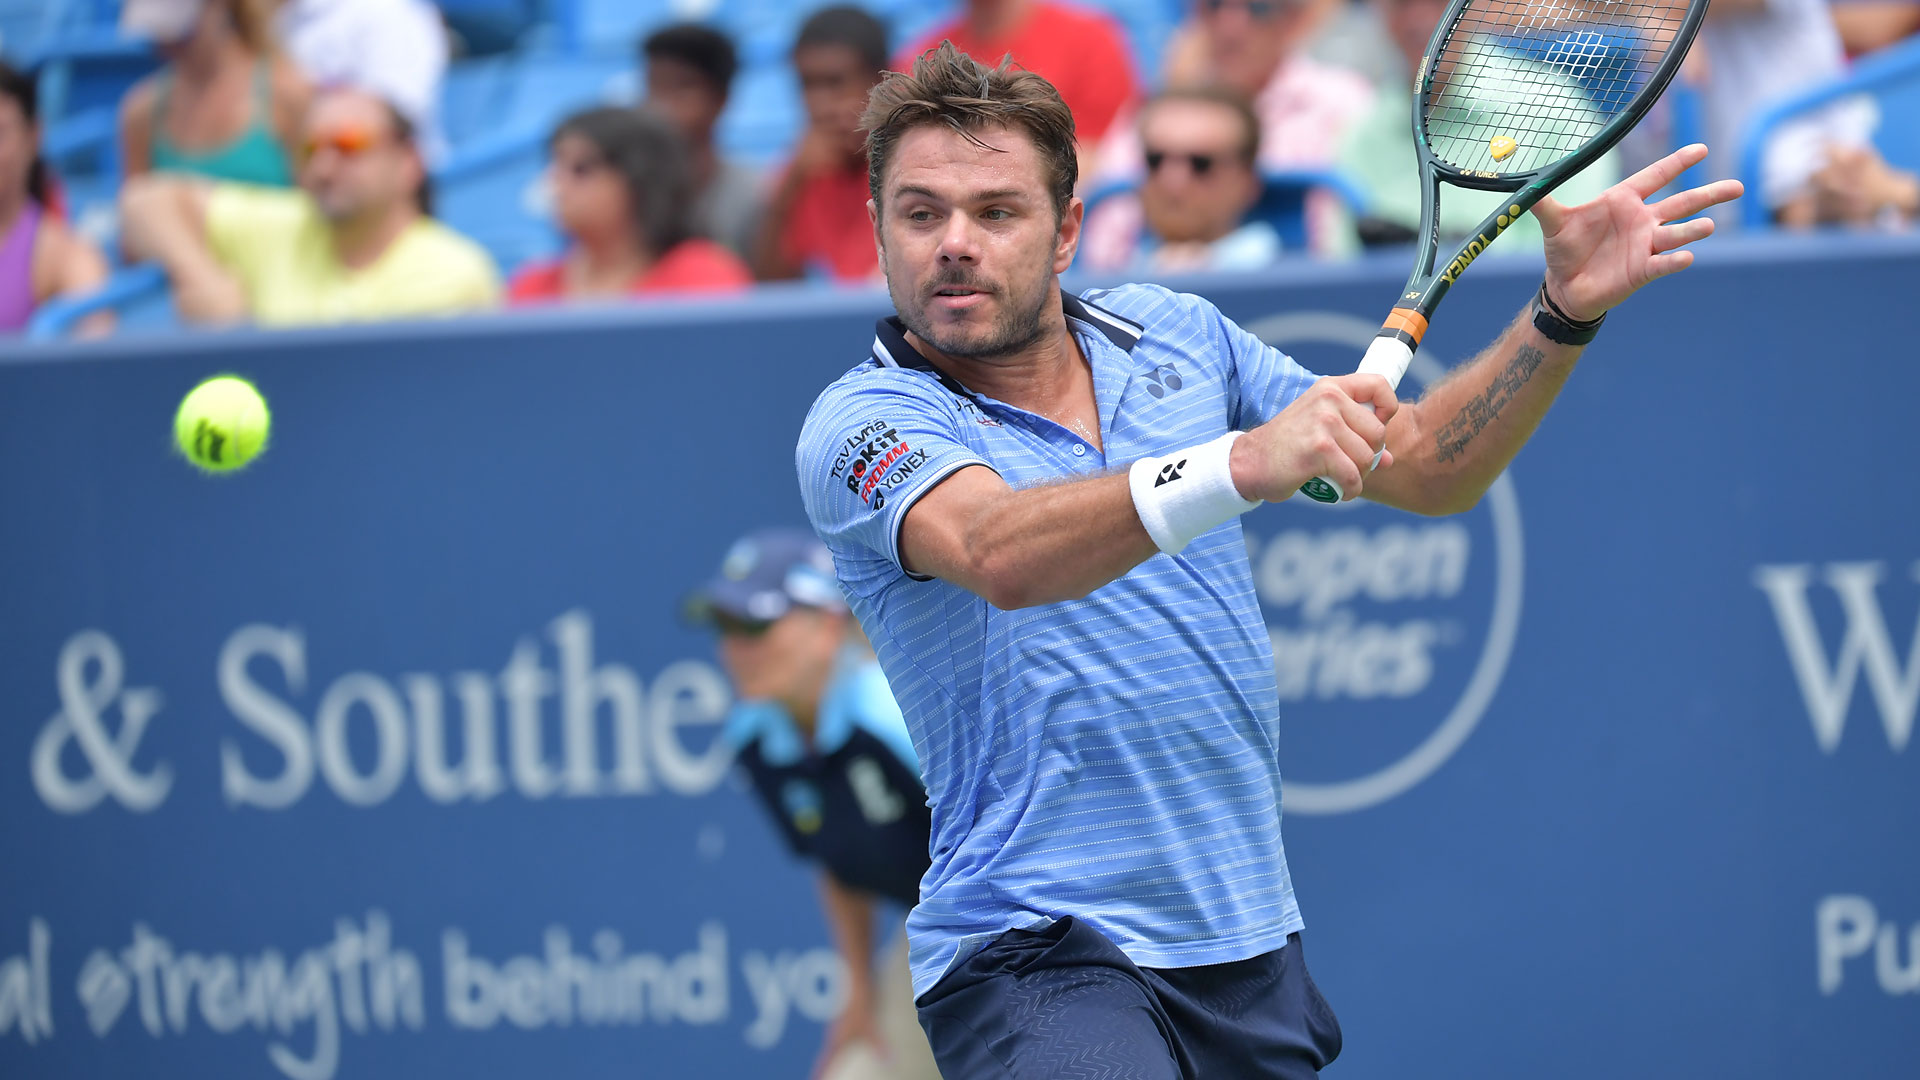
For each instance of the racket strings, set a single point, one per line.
(1520, 84)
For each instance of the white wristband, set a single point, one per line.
(1187, 492)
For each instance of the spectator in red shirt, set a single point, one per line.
(623, 194)
(1082, 53)
(816, 222)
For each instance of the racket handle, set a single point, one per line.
(1387, 357)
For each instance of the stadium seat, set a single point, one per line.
(136, 294)
(1891, 76)
(500, 113)
(486, 27)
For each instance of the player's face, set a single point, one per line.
(1247, 39)
(1199, 182)
(970, 241)
(834, 82)
(589, 196)
(685, 96)
(352, 163)
(781, 660)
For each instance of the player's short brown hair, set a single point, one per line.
(949, 87)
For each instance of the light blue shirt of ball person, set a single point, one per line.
(1110, 758)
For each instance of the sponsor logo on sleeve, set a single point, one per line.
(875, 460)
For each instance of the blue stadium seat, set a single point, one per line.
(500, 114)
(764, 118)
(617, 24)
(136, 294)
(1892, 76)
(485, 27)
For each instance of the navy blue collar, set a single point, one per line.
(891, 348)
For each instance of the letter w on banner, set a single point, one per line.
(1827, 685)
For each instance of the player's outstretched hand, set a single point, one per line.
(1333, 430)
(1600, 252)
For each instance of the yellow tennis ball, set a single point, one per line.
(222, 424)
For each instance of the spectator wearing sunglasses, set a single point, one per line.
(355, 243)
(393, 49)
(1199, 147)
(818, 734)
(1305, 107)
(623, 195)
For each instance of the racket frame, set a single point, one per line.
(1393, 347)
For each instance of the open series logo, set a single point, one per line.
(1391, 634)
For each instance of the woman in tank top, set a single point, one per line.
(40, 258)
(227, 105)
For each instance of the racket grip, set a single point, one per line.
(1387, 357)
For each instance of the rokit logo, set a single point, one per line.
(874, 460)
(1391, 634)
(1828, 680)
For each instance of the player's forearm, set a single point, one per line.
(1451, 446)
(1047, 544)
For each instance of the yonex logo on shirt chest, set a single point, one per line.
(1163, 380)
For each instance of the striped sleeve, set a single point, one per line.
(874, 443)
(1263, 380)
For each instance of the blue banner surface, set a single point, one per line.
(388, 756)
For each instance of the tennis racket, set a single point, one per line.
(1517, 96)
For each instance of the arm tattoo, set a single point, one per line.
(1453, 438)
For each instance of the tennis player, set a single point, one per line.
(1032, 500)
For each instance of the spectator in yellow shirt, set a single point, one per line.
(355, 242)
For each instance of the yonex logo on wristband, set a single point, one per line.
(1170, 473)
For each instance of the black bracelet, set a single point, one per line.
(1556, 325)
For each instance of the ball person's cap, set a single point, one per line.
(766, 574)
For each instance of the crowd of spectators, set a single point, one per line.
(278, 164)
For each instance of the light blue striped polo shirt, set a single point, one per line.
(1111, 758)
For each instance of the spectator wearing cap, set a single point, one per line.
(1199, 147)
(622, 194)
(226, 106)
(816, 222)
(355, 243)
(817, 732)
(1306, 107)
(392, 49)
(689, 72)
(1082, 53)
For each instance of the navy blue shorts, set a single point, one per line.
(1066, 1002)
